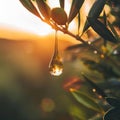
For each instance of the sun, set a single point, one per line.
(43, 30)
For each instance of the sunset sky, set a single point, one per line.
(13, 14)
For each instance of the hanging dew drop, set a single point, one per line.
(56, 64)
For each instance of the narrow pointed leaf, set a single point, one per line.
(101, 29)
(112, 114)
(75, 7)
(95, 86)
(105, 18)
(78, 22)
(105, 22)
(44, 9)
(94, 12)
(87, 101)
(62, 2)
(113, 30)
(29, 6)
(113, 101)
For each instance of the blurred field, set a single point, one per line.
(26, 86)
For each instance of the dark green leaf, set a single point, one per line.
(29, 6)
(94, 12)
(101, 29)
(113, 30)
(87, 101)
(112, 114)
(62, 2)
(78, 22)
(96, 87)
(44, 9)
(104, 18)
(113, 101)
(75, 7)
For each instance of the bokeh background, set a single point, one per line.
(27, 90)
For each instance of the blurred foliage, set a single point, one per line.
(115, 11)
(88, 89)
(113, 113)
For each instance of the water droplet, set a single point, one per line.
(104, 49)
(102, 56)
(115, 52)
(89, 42)
(100, 97)
(56, 64)
(95, 52)
(94, 90)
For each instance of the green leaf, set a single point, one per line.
(112, 114)
(113, 101)
(96, 87)
(105, 18)
(87, 101)
(101, 29)
(75, 7)
(113, 30)
(94, 12)
(29, 6)
(44, 9)
(62, 3)
(77, 112)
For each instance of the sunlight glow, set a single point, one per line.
(56, 71)
(12, 13)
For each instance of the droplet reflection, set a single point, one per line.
(56, 66)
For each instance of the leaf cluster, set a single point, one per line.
(101, 54)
